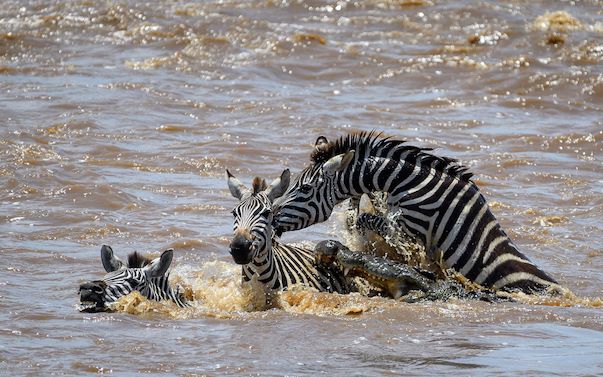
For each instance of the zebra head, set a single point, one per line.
(139, 274)
(313, 194)
(253, 216)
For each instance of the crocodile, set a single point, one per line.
(397, 280)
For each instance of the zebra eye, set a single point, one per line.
(305, 188)
(265, 213)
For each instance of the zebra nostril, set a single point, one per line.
(91, 287)
(241, 249)
(97, 290)
(240, 243)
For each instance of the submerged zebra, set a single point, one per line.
(141, 274)
(254, 246)
(432, 198)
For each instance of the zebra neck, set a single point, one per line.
(263, 267)
(283, 266)
(379, 174)
(159, 289)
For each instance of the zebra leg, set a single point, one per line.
(366, 203)
(401, 245)
(374, 223)
(352, 213)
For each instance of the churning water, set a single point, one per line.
(118, 120)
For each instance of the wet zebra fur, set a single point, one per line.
(432, 198)
(149, 277)
(255, 247)
(123, 282)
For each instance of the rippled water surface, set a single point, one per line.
(118, 120)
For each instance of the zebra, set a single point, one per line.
(433, 199)
(254, 246)
(139, 274)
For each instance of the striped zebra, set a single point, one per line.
(139, 274)
(432, 198)
(255, 247)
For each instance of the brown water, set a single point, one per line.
(119, 119)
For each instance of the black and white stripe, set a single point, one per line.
(432, 198)
(149, 277)
(123, 282)
(255, 247)
(285, 265)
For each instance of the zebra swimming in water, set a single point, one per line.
(433, 199)
(140, 274)
(254, 246)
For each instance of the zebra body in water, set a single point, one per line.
(149, 277)
(279, 266)
(433, 199)
(255, 247)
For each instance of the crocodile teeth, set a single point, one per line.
(346, 271)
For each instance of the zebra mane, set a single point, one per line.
(374, 144)
(137, 260)
(259, 185)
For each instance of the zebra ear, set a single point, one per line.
(321, 142)
(279, 186)
(338, 163)
(110, 261)
(321, 150)
(237, 189)
(159, 266)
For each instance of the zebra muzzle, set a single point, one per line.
(242, 249)
(92, 296)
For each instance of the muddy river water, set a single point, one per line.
(118, 120)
